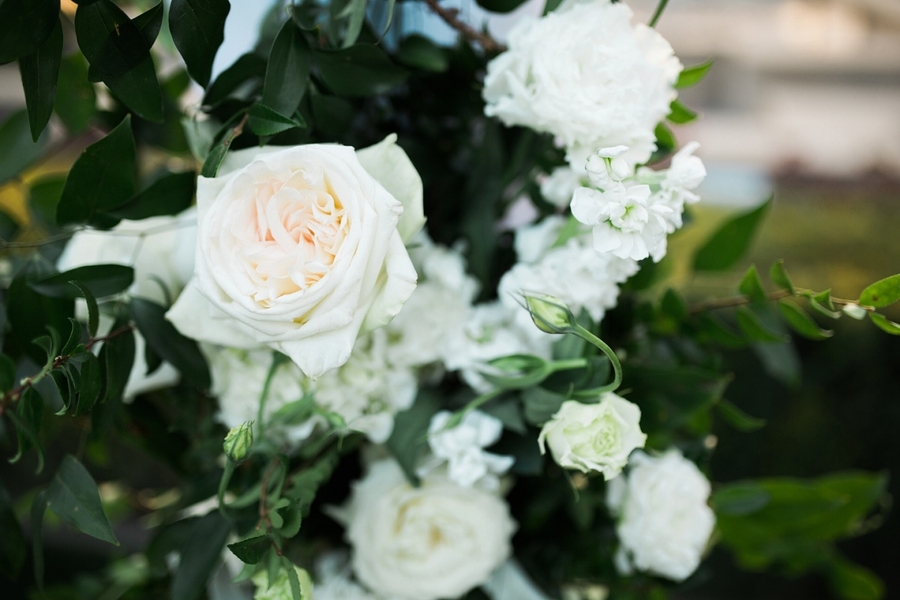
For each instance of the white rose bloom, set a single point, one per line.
(490, 331)
(368, 391)
(300, 249)
(462, 448)
(239, 377)
(572, 272)
(161, 251)
(438, 540)
(586, 75)
(664, 520)
(594, 437)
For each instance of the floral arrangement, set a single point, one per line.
(390, 314)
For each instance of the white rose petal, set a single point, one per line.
(438, 540)
(298, 250)
(665, 521)
(594, 437)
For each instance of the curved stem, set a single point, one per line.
(223, 487)
(657, 13)
(604, 347)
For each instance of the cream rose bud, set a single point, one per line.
(664, 520)
(438, 540)
(596, 437)
(300, 249)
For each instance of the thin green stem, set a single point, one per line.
(617, 366)
(223, 486)
(657, 13)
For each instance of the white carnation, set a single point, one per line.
(557, 187)
(664, 520)
(586, 75)
(438, 540)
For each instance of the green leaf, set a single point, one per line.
(75, 96)
(753, 327)
(332, 115)
(251, 550)
(356, 11)
(40, 71)
(120, 57)
(674, 306)
(73, 496)
(737, 500)
(665, 140)
(779, 276)
(287, 71)
(217, 153)
(101, 280)
(681, 114)
(246, 68)
(540, 404)
(101, 178)
(881, 293)
(91, 384)
(264, 121)
(715, 330)
(801, 322)
(149, 23)
(198, 28)
(199, 554)
(731, 241)
(179, 351)
(884, 323)
(93, 310)
(419, 52)
(17, 150)
(854, 582)
(74, 338)
(12, 542)
(693, 75)
(738, 418)
(24, 25)
(361, 70)
(27, 419)
(168, 195)
(117, 359)
(500, 6)
(7, 374)
(410, 435)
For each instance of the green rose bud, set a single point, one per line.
(280, 589)
(238, 441)
(551, 315)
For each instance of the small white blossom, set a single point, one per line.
(462, 448)
(664, 520)
(557, 187)
(334, 580)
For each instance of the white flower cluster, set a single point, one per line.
(664, 521)
(586, 75)
(633, 213)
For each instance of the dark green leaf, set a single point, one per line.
(287, 71)
(38, 510)
(198, 28)
(740, 499)
(17, 150)
(681, 114)
(410, 435)
(754, 328)
(884, 323)
(693, 75)
(674, 306)
(540, 404)
(801, 322)
(251, 550)
(715, 330)
(670, 397)
(149, 23)
(264, 121)
(854, 582)
(164, 339)
(168, 195)
(101, 178)
(91, 385)
(29, 313)
(361, 70)
(779, 276)
(220, 149)
(881, 293)
(101, 280)
(73, 496)
(246, 68)
(199, 554)
(356, 13)
(419, 52)
(551, 5)
(780, 361)
(12, 542)
(752, 286)
(93, 310)
(75, 96)
(738, 418)
(117, 359)
(730, 242)
(24, 25)
(40, 71)
(74, 338)
(8, 226)
(500, 6)
(665, 140)
(120, 57)
(332, 115)
(27, 419)
(7, 374)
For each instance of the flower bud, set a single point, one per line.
(550, 314)
(238, 441)
(855, 311)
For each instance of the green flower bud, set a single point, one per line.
(280, 589)
(238, 441)
(550, 314)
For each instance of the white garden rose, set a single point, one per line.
(438, 540)
(300, 249)
(664, 521)
(594, 437)
(586, 75)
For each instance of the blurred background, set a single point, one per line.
(803, 102)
